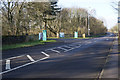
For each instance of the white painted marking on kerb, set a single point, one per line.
(25, 64)
(31, 59)
(7, 64)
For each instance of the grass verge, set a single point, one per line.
(75, 38)
(25, 44)
(119, 45)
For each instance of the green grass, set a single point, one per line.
(75, 38)
(52, 37)
(119, 45)
(25, 44)
(71, 38)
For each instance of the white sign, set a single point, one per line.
(40, 36)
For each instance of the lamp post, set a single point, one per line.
(119, 20)
(90, 12)
(88, 26)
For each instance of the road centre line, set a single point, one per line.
(7, 64)
(26, 64)
(31, 59)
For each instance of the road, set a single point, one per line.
(67, 58)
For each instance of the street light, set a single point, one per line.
(91, 12)
(88, 26)
(119, 19)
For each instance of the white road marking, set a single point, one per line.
(69, 49)
(107, 39)
(71, 45)
(62, 48)
(55, 50)
(7, 64)
(31, 59)
(78, 46)
(45, 54)
(26, 64)
(15, 57)
(67, 46)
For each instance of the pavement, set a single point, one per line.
(69, 58)
(110, 69)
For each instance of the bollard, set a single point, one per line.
(83, 35)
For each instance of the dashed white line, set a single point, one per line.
(7, 64)
(31, 59)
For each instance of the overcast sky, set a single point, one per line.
(104, 10)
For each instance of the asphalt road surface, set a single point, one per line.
(67, 58)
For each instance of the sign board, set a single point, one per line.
(40, 36)
(76, 35)
(44, 35)
(118, 19)
(61, 34)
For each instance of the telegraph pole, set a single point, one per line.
(88, 26)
